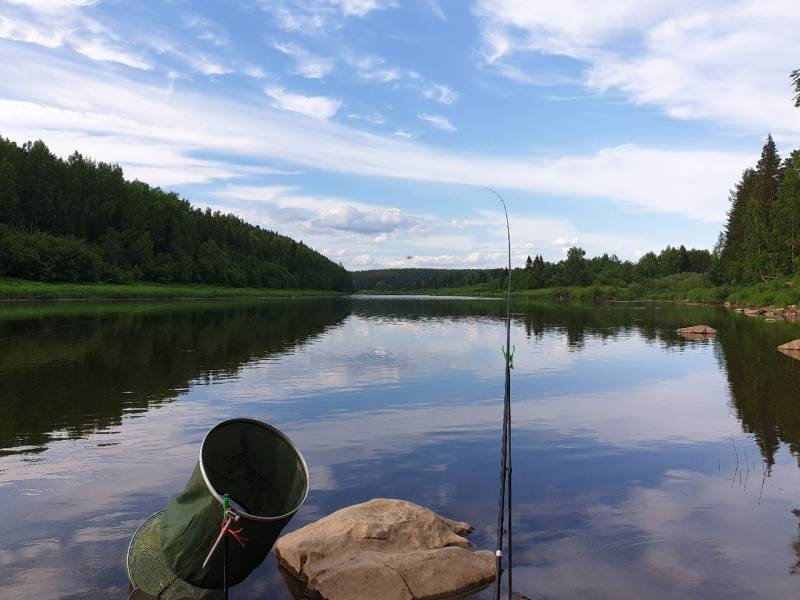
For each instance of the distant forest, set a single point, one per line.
(80, 221)
(759, 243)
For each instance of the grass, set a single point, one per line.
(766, 294)
(691, 288)
(18, 289)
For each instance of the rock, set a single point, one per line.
(386, 549)
(752, 312)
(697, 330)
(793, 345)
(795, 354)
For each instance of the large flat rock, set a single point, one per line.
(387, 549)
(793, 345)
(697, 330)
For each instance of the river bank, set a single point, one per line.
(19, 289)
(775, 299)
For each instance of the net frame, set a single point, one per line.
(241, 511)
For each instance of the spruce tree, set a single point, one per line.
(796, 80)
(786, 217)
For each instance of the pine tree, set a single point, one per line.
(732, 254)
(786, 217)
(796, 80)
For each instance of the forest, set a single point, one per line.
(77, 220)
(760, 243)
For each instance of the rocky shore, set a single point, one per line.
(769, 313)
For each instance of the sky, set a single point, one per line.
(370, 129)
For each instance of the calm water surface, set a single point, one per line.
(646, 465)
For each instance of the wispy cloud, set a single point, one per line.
(318, 107)
(375, 118)
(99, 50)
(306, 63)
(375, 68)
(716, 60)
(71, 104)
(311, 16)
(438, 121)
(440, 93)
(208, 31)
(437, 10)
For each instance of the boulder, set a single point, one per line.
(793, 345)
(795, 354)
(697, 330)
(387, 549)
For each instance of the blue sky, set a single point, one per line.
(370, 128)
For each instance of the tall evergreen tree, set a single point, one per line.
(796, 80)
(786, 217)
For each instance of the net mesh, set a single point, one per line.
(149, 572)
(266, 479)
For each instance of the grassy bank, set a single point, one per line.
(17, 289)
(671, 289)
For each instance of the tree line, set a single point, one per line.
(760, 242)
(574, 270)
(78, 220)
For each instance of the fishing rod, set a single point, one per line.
(505, 461)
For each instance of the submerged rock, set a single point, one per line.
(697, 330)
(793, 345)
(795, 354)
(386, 549)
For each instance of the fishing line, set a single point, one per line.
(505, 461)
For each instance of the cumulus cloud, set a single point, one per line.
(376, 220)
(717, 60)
(318, 107)
(315, 213)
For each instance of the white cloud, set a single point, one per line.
(438, 121)
(287, 205)
(375, 68)
(375, 118)
(436, 9)
(720, 60)
(307, 64)
(98, 50)
(208, 31)
(318, 107)
(402, 133)
(440, 93)
(70, 104)
(309, 16)
(254, 71)
(51, 6)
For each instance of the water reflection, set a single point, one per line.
(67, 370)
(647, 464)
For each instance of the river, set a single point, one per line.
(645, 464)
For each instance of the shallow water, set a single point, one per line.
(645, 465)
